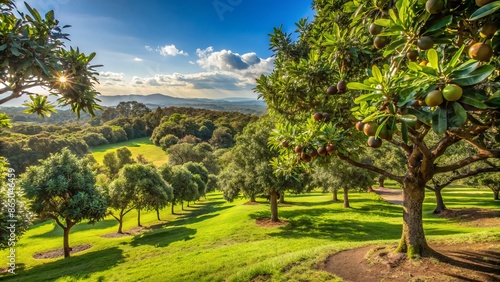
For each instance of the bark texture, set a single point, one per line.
(346, 198)
(274, 206)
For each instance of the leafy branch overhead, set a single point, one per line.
(422, 76)
(33, 54)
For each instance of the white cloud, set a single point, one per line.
(138, 59)
(108, 75)
(225, 73)
(148, 48)
(171, 50)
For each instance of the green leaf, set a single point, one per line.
(393, 16)
(15, 51)
(458, 116)
(42, 66)
(440, 24)
(474, 99)
(464, 69)
(453, 62)
(439, 121)
(414, 66)
(485, 11)
(367, 97)
(34, 13)
(383, 22)
(432, 56)
(494, 100)
(422, 115)
(2, 47)
(476, 76)
(359, 86)
(377, 74)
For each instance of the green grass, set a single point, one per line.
(219, 241)
(144, 146)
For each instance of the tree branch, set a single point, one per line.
(421, 146)
(467, 174)
(468, 161)
(443, 144)
(385, 173)
(14, 95)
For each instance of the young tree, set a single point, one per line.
(150, 190)
(33, 55)
(121, 198)
(181, 179)
(198, 169)
(62, 188)
(111, 164)
(426, 71)
(124, 157)
(250, 171)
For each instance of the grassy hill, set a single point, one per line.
(214, 240)
(144, 146)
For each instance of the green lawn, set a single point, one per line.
(217, 241)
(152, 153)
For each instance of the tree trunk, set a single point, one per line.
(335, 196)
(440, 206)
(158, 214)
(346, 198)
(495, 194)
(282, 197)
(188, 204)
(120, 224)
(67, 249)
(381, 180)
(413, 240)
(173, 208)
(252, 198)
(182, 205)
(274, 206)
(139, 218)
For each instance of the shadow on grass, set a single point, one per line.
(163, 237)
(58, 232)
(313, 223)
(77, 267)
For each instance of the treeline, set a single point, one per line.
(27, 142)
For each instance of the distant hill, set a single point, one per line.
(244, 105)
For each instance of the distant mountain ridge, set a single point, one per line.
(245, 105)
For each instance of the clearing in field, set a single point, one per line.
(143, 146)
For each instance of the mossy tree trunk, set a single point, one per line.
(274, 206)
(413, 241)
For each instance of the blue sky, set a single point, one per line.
(183, 48)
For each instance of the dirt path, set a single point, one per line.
(394, 196)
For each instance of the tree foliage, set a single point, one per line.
(62, 187)
(415, 69)
(33, 54)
